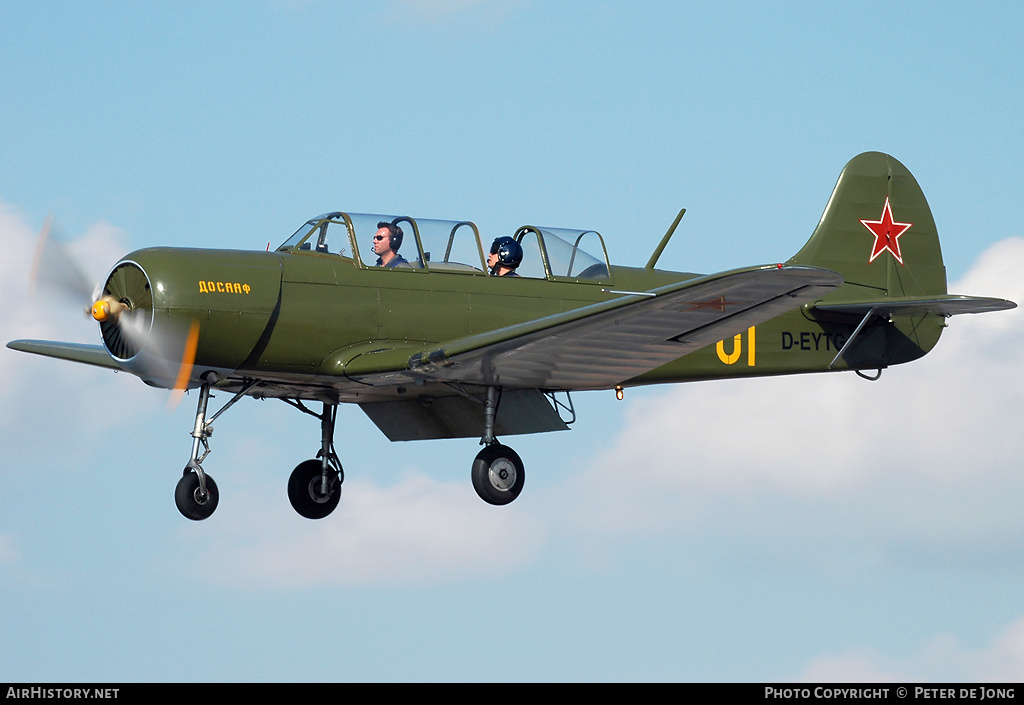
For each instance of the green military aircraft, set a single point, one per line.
(406, 318)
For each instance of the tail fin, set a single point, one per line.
(878, 232)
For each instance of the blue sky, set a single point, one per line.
(820, 528)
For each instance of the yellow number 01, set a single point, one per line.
(737, 349)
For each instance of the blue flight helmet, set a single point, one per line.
(510, 252)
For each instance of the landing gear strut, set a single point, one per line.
(314, 488)
(498, 472)
(196, 494)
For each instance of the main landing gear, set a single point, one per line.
(314, 487)
(498, 472)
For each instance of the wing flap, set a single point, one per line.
(520, 411)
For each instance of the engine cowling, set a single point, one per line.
(153, 298)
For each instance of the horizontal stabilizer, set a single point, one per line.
(75, 352)
(944, 305)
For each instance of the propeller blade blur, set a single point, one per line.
(188, 359)
(55, 269)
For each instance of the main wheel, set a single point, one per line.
(304, 490)
(192, 503)
(498, 474)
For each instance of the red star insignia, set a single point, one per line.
(887, 233)
(718, 304)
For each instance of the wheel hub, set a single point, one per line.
(314, 491)
(502, 474)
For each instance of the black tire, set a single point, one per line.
(190, 502)
(304, 491)
(498, 474)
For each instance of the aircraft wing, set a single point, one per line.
(603, 344)
(75, 352)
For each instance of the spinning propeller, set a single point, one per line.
(55, 268)
(123, 306)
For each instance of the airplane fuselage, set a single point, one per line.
(302, 317)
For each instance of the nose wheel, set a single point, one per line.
(196, 494)
(196, 500)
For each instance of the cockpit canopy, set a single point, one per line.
(454, 246)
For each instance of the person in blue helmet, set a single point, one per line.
(506, 254)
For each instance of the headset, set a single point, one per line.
(394, 234)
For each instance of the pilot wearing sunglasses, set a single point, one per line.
(385, 245)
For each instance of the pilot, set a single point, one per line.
(385, 245)
(506, 254)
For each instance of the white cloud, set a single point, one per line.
(46, 309)
(924, 458)
(36, 386)
(851, 667)
(942, 660)
(418, 531)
